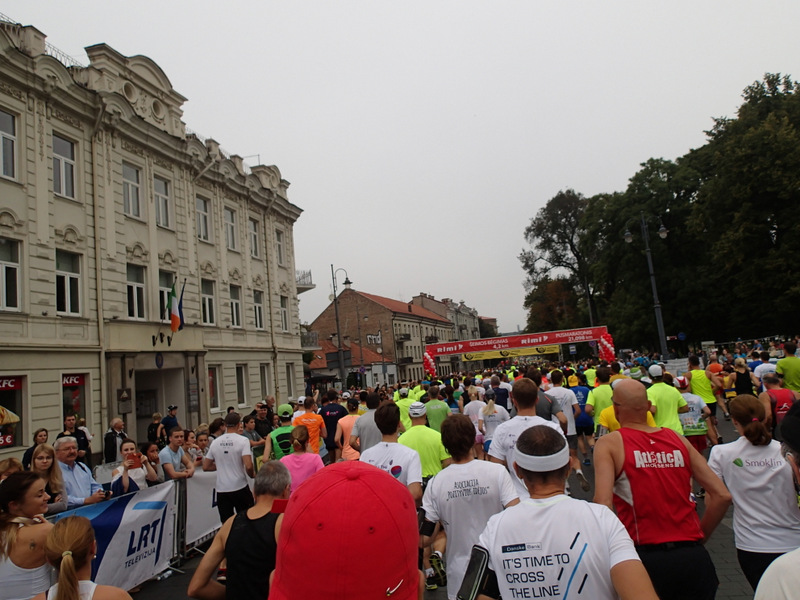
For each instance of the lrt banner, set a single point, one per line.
(535, 351)
(134, 533)
(567, 336)
(202, 516)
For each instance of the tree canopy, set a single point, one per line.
(724, 271)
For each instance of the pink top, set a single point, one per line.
(302, 466)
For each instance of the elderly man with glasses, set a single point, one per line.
(79, 485)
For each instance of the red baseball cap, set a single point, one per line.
(354, 504)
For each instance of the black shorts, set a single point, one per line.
(238, 501)
(572, 442)
(668, 568)
(587, 430)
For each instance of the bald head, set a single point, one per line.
(630, 401)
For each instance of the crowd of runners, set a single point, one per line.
(464, 482)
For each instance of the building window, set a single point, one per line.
(241, 379)
(253, 230)
(279, 247)
(236, 306)
(165, 281)
(258, 308)
(9, 274)
(135, 292)
(163, 205)
(68, 283)
(8, 144)
(213, 388)
(265, 381)
(63, 167)
(130, 191)
(284, 313)
(203, 231)
(207, 298)
(230, 228)
(290, 380)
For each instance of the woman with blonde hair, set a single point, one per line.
(301, 463)
(44, 465)
(70, 548)
(766, 522)
(492, 416)
(24, 571)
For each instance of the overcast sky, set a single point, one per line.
(420, 138)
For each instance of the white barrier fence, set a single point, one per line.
(140, 535)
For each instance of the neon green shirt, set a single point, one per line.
(428, 444)
(700, 385)
(437, 412)
(403, 404)
(591, 375)
(789, 367)
(600, 398)
(667, 400)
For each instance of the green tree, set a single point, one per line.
(555, 236)
(552, 305)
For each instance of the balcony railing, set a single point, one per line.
(405, 360)
(402, 337)
(304, 281)
(431, 339)
(309, 339)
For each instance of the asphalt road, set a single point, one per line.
(733, 585)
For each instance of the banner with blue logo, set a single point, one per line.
(135, 535)
(202, 516)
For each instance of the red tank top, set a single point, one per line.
(651, 494)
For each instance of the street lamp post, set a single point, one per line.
(662, 233)
(347, 284)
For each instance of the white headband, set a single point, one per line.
(543, 464)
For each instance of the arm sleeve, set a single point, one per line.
(496, 449)
(414, 470)
(714, 463)
(429, 505)
(507, 490)
(590, 399)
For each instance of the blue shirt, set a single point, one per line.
(582, 394)
(78, 483)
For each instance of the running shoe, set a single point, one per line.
(586, 461)
(430, 583)
(438, 568)
(727, 416)
(585, 486)
(222, 575)
(700, 494)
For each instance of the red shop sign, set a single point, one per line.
(6, 440)
(71, 380)
(10, 383)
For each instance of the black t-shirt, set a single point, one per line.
(331, 413)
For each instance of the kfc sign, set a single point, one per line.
(71, 380)
(10, 383)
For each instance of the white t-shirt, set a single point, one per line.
(463, 497)
(556, 545)
(401, 462)
(227, 451)
(763, 369)
(504, 445)
(491, 421)
(781, 580)
(473, 411)
(765, 515)
(566, 398)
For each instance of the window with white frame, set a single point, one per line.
(203, 229)
(213, 388)
(8, 144)
(279, 247)
(284, 313)
(135, 292)
(236, 306)
(290, 380)
(162, 201)
(9, 274)
(255, 248)
(241, 384)
(265, 380)
(68, 283)
(258, 308)
(229, 216)
(165, 281)
(131, 198)
(63, 167)
(207, 301)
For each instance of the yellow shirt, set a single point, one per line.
(609, 420)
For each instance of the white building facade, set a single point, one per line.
(106, 202)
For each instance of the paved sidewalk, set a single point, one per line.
(733, 585)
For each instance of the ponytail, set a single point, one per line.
(489, 408)
(300, 438)
(749, 413)
(68, 548)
